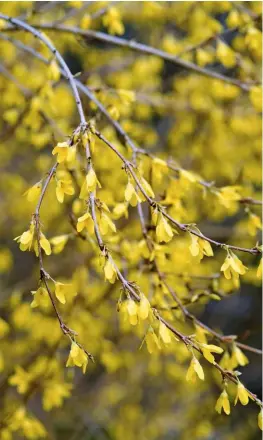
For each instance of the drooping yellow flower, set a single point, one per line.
(152, 342)
(225, 54)
(89, 185)
(147, 187)
(88, 137)
(40, 297)
(71, 156)
(225, 361)
(144, 250)
(106, 224)
(85, 221)
(110, 271)
(120, 210)
(64, 186)
(44, 243)
(232, 266)
(131, 195)
(61, 290)
(132, 310)
(164, 333)
(58, 243)
(242, 394)
(223, 403)
(195, 369)
(144, 308)
(62, 151)
(159, 168)
(77, 357)
(254, 224)
(238, 357)
(200, 247)
(26, 239)
(33, 193)
(207, 350)
(164, 231)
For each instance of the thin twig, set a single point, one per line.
(153, 203)
(143, 48)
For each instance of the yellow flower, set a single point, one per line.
(26, 239)
(223, 403)
(159, 168)
(242, 394)
(40, 297)
(60, 291)
(225, 54)
(110, 271)
(54, 393)
(127, 96)
(105, 224)
(77, 357)
(89, 185)
(163, 230)
(33, 193)
(232, 266)
(131, 195)
(194, 370)
(85, 221)
(112, 21)
(62, 151)
(164, 333)
(132, 310)
(207, 349)
(119, 210)
(144, 308)
(147, 187)
(59, 243)
(88, 137)
(200, 247)
(44, 243)
(152, 342)
(203, 57)
(71, 155)
(260, 420)
(53, 71)
(228, 194)
(144, 250)
(64, 186)
(234, 19)
(21, 379)
(254, 224)
(238, 357)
